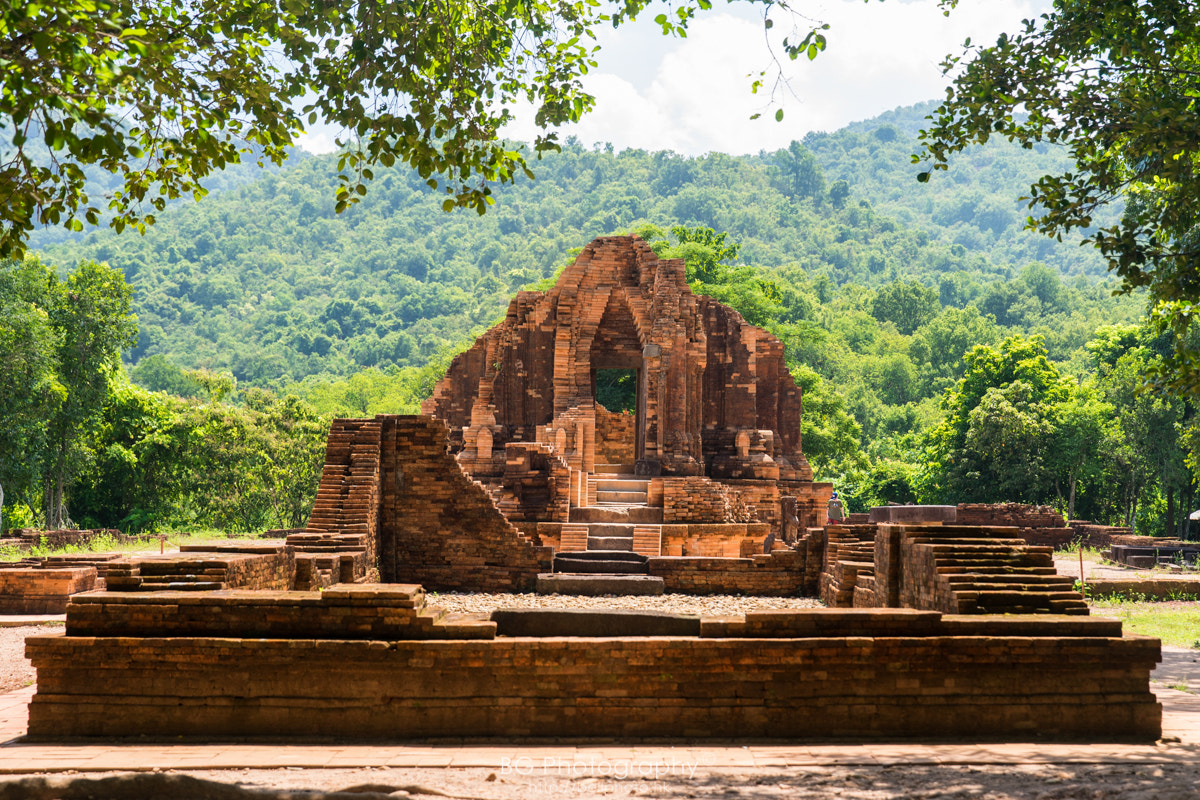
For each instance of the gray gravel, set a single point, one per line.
(720, 605)
(15, 670)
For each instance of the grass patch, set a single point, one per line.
(1076, 546)
(1173, 621)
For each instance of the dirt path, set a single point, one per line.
(1041, 781)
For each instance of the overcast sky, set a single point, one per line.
(693, 95)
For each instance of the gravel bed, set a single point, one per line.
(15, 670)
(718, 605)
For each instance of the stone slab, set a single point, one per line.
(543, 622)
(596, 585)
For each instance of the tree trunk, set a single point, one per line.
(54, 493)
(1186, 522)
(1170, 512)
(1071, 501)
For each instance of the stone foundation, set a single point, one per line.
(42, 591)
(801, 675)
(780, 574)
(202, 567)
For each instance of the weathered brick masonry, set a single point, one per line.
(957, 569)
(42, 591)
(780, 574)
(439, 528)
(225, 565)
(778, 675)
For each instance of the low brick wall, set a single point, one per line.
(1161, 589)
(236, 565)
(713, 540)
(377, 612)
(816, 675)
(29, 537)
(699, 499)
(1015, 515)
(42, 591)
(780, 574)
(616, 437)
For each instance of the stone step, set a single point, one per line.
(180, 586)
(578, 567)
(968, 570)
(610, 543)
(614, 469)
(602, 562)
(605, 555)
(1026, 588)
(611, 529)
(623, 498)
(622, 485)
(984, 563)
(617, 514)
(596, 585)
(465, 625)
(1048, 580)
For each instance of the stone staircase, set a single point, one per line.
(610, 536)
(604, 548)
(984, 575)
(620, 491)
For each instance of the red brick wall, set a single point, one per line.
(698, 499)
(713, 540)
(42, 591)
(780, 574)
(814, 675)
(616, 437)
(1005, 514)
(437, 526)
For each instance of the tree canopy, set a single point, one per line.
(1116, 84)
(165, 93)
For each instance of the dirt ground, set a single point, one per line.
(911, 782)
(15, 670)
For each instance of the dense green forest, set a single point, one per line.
(946, 354)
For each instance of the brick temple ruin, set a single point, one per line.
(515, 470)
(942, 622)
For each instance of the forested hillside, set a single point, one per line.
(267, 282)
(878, 285)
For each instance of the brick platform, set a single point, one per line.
(870, 674)
(42, 591)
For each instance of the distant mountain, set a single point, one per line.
(263, 279)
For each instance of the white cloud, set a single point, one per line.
(693, 95)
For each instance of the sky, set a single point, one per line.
(693, 95)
